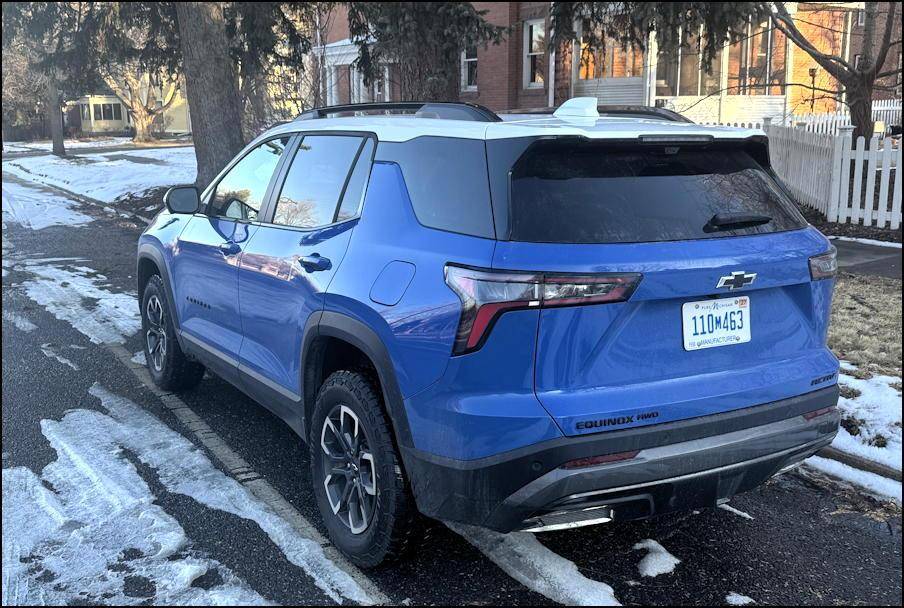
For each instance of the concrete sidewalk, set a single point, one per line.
(861, 258)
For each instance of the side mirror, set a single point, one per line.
(182, 199)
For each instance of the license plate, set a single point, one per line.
(712, 323)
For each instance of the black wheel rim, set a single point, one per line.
(155, 336)
(349, 473)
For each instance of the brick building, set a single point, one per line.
(761, 75)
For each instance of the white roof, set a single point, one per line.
(400, 127)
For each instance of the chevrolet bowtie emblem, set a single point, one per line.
(736, 280)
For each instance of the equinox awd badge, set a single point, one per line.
(736, 280)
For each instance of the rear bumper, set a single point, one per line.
(678, 465)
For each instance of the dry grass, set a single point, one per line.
(866, 323)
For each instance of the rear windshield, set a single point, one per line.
(582, 192)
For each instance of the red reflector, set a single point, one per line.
(818, 413)
(591, 461)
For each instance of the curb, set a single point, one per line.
(860, 463)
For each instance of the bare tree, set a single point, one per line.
(630, 23)
(858, 81)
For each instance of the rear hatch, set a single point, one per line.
(725, 313)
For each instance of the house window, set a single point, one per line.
(756, 64)
(98, 113)
(117, 111)
(861, 17)
(611, 61)
(685, 73)
(534, 53)
(469, 69)
(857, 61)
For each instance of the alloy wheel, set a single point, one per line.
(350, 476)
(156, 333)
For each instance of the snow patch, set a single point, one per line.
(51, 353)
(20, 322)
(139, 358)
(90, 522)
(736, 599)
(657, 560)
(184, 469)
(525, 559)
(79, 296)
(106, 177)
(881, 487)
(727, 507)
(877, 409)
(872, 242)
(37, 209)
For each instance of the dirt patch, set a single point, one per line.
(866, 323)
(850, 230)
(145, 204)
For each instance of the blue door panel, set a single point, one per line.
(277, 296)
(205, 277)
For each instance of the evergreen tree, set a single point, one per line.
(422, 40)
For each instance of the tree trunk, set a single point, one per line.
(142, 120)
(210, 83)
(54, 116)
(860, 100)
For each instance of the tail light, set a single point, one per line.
(824, 265)
(486, 294)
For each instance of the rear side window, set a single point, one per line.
(447, 182)
(579, 192)
(315, 180)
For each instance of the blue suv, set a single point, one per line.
(530, 324)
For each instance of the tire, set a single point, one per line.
(388, 522)
(170, 369)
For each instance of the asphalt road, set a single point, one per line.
(806, 539)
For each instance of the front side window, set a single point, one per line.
(316, 180)
(469, 69)
(534, 53)
(240, 193)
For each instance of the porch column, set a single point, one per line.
(387, 94)
(723, 79)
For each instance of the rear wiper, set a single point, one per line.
(734, 221)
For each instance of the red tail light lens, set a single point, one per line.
(825, 265)
(486, 294)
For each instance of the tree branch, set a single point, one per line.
(886, 37)
(833, 64)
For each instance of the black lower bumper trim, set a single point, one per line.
(502, 491)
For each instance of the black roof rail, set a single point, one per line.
(448, 110)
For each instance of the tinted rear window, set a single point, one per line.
(447, 182)
(579, 192)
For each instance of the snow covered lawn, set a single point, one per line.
(870, 417)
(37, 208)
(109, 176)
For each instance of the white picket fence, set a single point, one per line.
(847, 180)
(886, 112)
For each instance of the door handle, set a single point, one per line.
(229, 248)
(314, 262)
